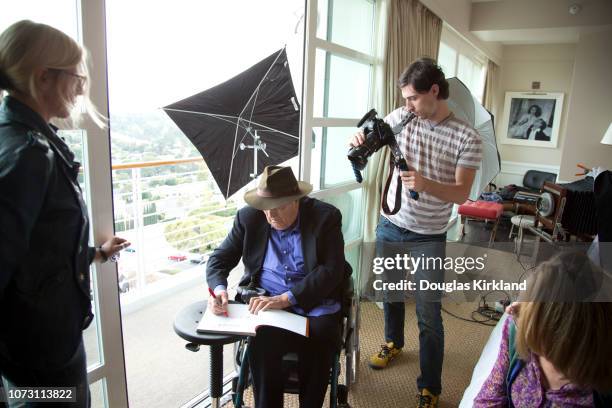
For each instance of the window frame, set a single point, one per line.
(309, 120)
(112, 362)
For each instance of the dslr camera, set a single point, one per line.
(377, 134)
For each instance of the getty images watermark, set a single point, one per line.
(402, 264)
(400, 271)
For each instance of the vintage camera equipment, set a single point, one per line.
(378, 134)
(524, 197)
(568, 209)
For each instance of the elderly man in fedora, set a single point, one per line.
(291, 246)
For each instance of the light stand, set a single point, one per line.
(257, 145)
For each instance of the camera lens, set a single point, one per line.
(359, 156)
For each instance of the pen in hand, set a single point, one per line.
(212, 293)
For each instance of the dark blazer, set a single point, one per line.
(322, 246)
(44, 255)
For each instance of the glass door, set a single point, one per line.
(165, 198)
(90, 144)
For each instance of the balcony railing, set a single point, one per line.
(174, 216)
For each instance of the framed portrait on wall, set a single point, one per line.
(532, 118)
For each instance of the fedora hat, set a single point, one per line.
(277, 186)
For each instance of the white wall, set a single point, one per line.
(553, 66)
(590, 105)
(529, 14)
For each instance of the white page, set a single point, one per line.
(241, 321)
(285, 320)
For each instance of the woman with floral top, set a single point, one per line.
(555, 349)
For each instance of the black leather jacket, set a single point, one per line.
(44, 255)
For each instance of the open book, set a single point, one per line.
(241, 321)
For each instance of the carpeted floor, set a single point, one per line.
(395, 386)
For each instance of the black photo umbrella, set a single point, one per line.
(244, 124)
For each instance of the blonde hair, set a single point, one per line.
(27, 46)
(572, 334)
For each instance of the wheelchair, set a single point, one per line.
(349, 344)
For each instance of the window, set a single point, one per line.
(339, 71)
(336, 22)
(61, 14)
(166, 201)
(472, 74)
(458, 58)
(342, 86)
(447, 59)
(342, 75)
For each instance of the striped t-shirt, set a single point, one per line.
(435, 151)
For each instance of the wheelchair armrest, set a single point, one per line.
(347, 296)
(245, 293)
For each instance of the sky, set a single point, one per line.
(61, 14)
(161, 51)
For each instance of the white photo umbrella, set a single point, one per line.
(465, 107)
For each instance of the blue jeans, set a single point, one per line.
(428, 306)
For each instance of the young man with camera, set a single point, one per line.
(443, 154)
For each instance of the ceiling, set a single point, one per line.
(538, 21)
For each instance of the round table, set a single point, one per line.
(185, 325)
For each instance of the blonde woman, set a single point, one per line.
(555, 349)
(44, 254)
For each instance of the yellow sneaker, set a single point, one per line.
(427, 399)
(384, 356)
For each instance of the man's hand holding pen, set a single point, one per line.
(217, 302)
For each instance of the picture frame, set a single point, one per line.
(532, 119)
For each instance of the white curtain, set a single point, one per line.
(490, 90)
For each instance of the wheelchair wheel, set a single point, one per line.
(342, 397)
(238, 353)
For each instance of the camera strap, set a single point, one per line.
(396, 160)
(393, 163)
(398, 193)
